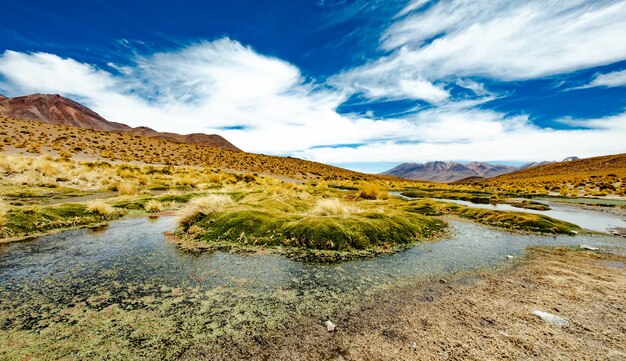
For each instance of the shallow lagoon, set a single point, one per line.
(197, 297)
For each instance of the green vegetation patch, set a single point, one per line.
(23, 221)
(336, 233)
(358, 229)
(526, 204)
(479, 198)
(519, 221)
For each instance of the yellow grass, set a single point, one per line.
(4, 209)
(202, 206)
(371, 191)
(127, 188)
(333, 207)
(153, 206)
(100, 207)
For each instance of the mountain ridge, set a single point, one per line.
(452, 172)
(440, 171)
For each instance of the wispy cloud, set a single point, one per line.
(609, 80)
(488, 137)
(500, 39)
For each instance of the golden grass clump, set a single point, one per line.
(100, 207)
(186, 181)
(46, 167)
(127, 188)
(153, 206)
(333, 207)
(371, 191)
(4, 209)
(202, 206)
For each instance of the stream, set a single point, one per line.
(587, 219)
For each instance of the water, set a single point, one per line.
(135, 250)
(591, 220)
(130, 265)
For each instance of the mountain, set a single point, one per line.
(56, 109)
(534, 164)
(538, 164)
(439, 171)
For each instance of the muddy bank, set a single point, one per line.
(487, 316)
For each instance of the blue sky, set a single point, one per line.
(361, 84)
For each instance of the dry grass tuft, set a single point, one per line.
(371, 191)
(100, 207)
(201, 206)
(333, 207)
(153, 206)
(127, 188)
(4, 209)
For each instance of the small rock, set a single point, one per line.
(509, 256)
(414, 345)
(550, 318)
(591, 248)
(443, 280)
(330, 326)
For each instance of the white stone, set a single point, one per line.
(550, 318)
(591, 248)
(509, 256)
(330, 326)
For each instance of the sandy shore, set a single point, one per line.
(482, 317)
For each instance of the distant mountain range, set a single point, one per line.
(55, 109)
(447, 172)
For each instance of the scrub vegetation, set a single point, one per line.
(55, 177)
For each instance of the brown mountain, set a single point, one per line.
(55, 109)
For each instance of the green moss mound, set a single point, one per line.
(362, 233)
(32, 220)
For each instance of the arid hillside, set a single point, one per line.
(595, 176)
(79, 143)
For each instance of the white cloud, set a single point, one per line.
(500, 39)
(49, 73)
(613, 79)
(504, 139)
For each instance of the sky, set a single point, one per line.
(360, 84)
